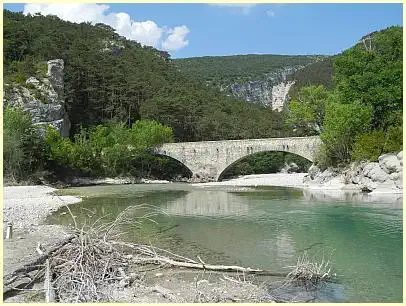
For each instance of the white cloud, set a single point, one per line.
(270, 13)
(176, 39)
(244, 8)
(145, 32)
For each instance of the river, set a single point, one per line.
(267, 227)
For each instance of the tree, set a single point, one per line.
(306, 112)
(342, 124)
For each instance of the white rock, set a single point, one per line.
(395, 175)
(366, 184)
(389, 163)
(375, 173)
(400, 157)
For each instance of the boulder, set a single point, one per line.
(389, 163)
(399, 182)
(367, 185)
(375, 172)
(313, 171)
(291, 168)
(400, 157)
(395, 175)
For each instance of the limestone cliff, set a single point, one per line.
(42, 98)
(271, 91)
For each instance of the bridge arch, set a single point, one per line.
(182, 164)
(228, 167)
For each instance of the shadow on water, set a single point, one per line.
(269, 228)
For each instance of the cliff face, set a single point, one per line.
(42, 98)
(271, 91)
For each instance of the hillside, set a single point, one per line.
(107, 77)
(260, 79)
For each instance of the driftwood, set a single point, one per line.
(203, 266)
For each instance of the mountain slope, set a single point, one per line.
(261, 79)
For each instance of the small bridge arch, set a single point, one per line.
(208, 159)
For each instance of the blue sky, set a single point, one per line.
(187, 30)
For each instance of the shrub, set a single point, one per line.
(394, 139)
(23, 148)
(369, 146)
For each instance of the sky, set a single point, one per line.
(198, 29)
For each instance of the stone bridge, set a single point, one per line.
(207, 160)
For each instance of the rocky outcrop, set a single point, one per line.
(42, 98)
(272, 91)
(383, 176)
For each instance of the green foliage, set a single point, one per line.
(23, 149)
(369, 146)
(226, 70)
(306, 112)
(108, 150)
(317, 73)
(371, 73)
(394, 139)
(342, 124)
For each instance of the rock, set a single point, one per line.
(386, 187)
(400, 157)
(313, 171)
(55, 75)
(389, 163)
(326, 175)
(291, 168)
(395, 176)
(375, 172)
(399, 182)
(32, 81)
(43, 99)
(367, 185)
(271, 92)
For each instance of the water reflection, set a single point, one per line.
(207, 203)
(389, 200)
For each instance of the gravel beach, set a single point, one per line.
(28, 206)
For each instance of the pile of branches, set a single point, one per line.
(310, 273)
(79, 267)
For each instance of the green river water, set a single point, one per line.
(267, 227)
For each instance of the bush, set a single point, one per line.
(394, 139)
(369, 146)
(23, 148)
